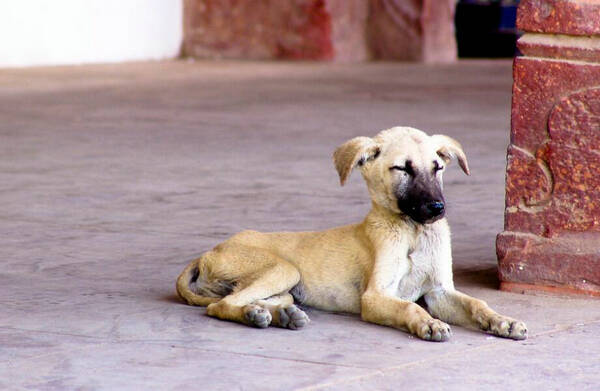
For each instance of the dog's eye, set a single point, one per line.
(407, 168)
(436, 166)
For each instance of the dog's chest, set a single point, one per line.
(420, 272)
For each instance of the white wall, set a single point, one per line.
(53, 32)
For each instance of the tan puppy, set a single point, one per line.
(378, 268)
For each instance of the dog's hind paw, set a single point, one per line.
(434, 330)
(506, 327)
(257, 316)
(292, 317)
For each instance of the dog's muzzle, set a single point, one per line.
(425, 213)
(435, 208)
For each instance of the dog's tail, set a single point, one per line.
(188, 277)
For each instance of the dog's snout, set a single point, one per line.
(435, 208)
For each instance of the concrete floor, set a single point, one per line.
(113, 177)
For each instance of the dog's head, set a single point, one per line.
(403, 169)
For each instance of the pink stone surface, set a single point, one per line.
(413, 30)
(571, 260)
(552, 219)
(349, 29)
(551, 184)
(437, 23)
(298, 29)
(572, 17)
(340, 30)
(538, 85)
(565, 47)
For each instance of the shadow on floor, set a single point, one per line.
(482, 278)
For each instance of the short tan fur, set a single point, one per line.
(377, 268)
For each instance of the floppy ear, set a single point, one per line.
(355, 151)
(448, 148)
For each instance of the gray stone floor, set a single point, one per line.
(113, 177)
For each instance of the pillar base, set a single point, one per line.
(516, 287)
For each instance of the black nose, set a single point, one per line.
(436, 208)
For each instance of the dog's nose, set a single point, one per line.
(436, 208)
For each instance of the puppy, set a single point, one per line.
(377, 268)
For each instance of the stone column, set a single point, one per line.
(276, 29)
(412, 30)
(338, 30)
(551, 238)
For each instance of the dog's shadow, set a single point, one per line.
(477, 277)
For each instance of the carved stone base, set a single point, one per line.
(569, 263)
(552, 216)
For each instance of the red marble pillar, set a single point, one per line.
(551, 238)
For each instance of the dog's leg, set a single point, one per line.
(457, 308)
(379, 305)
(391, 311)
(241, 306)
(285, 314)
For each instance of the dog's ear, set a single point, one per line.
(448, 148)
(354, 152)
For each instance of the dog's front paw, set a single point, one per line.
(434, 330)
(505, 327)
(292, 317)
(257, 316)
